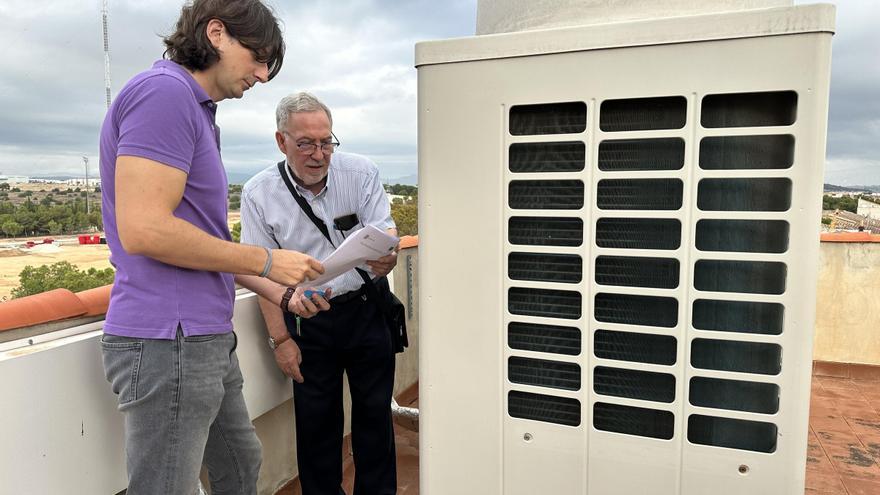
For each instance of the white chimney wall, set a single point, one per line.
(503, 16)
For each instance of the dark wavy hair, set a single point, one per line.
(250, 22)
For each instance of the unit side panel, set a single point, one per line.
(460, 206)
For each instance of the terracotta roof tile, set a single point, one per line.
(849, 237)
(409, 241)
(96, 300)
(58, 304)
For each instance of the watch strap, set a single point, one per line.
(275, 343)
(285, 299)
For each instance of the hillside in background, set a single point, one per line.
(831, 188)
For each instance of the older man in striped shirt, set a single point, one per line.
(343, 190)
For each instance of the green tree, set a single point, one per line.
(846, 203)
(11, 228)
(406, 216)
(60, 275)
(4, 186)
(236, 232)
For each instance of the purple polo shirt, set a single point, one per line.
(164, 115)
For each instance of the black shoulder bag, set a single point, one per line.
(391, 307)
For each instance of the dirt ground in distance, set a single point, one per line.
(13, 261)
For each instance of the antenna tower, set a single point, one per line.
(104, 15)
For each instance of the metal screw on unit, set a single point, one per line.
(527, 437)
(743, 469)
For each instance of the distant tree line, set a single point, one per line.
(847, 203)
(233, 196)
(47, 218)
(401, 190)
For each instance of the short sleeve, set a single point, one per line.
(158, 122)
(254, 229)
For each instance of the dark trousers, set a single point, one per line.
(350, 337)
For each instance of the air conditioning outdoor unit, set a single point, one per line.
(619, 248)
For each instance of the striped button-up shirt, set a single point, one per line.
(271, 217)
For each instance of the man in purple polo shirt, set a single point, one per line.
(168, 347)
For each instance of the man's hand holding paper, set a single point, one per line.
(369, 245)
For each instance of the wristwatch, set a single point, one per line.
(275, 343)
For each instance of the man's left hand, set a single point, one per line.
(383, 265)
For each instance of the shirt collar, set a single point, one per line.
(303, 190)
(199, 92)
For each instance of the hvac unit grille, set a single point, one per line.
(621, 160)
(544, 302)
(643, 114)
(638, 233)
(630, 271)
(548, 118)
(547, 408)
(747, 152)
(545, 231)
(544, 373)
(546, 194)
(545, 267)
(635, 347)
(732, 433)
(634, 384)
(738, 316)
(757, 277)
(731, 355)
(742, 236)
(630, 420)
(641, 154)
(544, 338)
(636, 310)
(735, 395)
(749, 109)
(639, 194)
(547, 157)
(744, 195)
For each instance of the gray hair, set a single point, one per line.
(298, 103)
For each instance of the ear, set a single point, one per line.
(282, 144)
(215, 30)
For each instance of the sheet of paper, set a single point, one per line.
(369, 243)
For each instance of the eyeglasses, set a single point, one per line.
(310, 148)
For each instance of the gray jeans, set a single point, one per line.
(183, 406)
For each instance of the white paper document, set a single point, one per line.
(369, 243)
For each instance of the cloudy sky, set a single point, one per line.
(357, 55)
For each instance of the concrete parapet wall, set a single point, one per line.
(848, 303)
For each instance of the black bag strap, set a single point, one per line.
(306, 207)
(372, 292)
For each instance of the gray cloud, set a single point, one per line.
(357, 55)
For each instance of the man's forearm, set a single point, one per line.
(274, 318)
(269, 291)
(180, 243)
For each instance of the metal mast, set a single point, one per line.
(104, 14)
(86, 164)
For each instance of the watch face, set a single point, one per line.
(272, 343)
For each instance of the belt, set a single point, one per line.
(348, 296)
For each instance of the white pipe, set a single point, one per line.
(409, 415)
